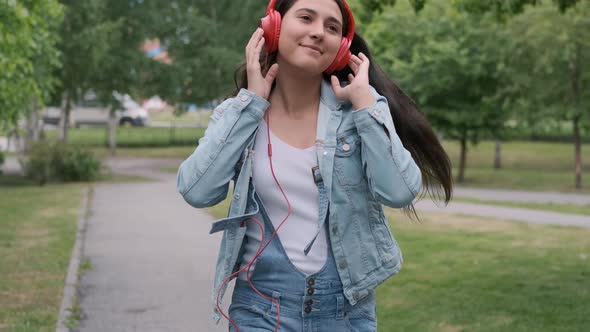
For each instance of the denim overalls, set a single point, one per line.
(313, 303)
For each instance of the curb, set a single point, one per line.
(70, 291)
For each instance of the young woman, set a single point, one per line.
(316, 140)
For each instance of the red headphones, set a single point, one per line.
(271, 24)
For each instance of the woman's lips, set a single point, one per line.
(315, 48)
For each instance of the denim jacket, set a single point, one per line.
(363, 165)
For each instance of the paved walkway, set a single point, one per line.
(507, 213)
(523, 196)
(152, 257)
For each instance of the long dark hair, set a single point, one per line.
(411, 124)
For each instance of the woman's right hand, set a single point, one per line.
(256, 82)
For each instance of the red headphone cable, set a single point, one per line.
(260, 250)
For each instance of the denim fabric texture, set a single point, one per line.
(363, 164)
(312, 303)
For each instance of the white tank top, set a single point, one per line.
(292, 167)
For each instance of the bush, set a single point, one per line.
(54, 161)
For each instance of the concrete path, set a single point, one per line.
(507, 213)
(523, 196)
(152, 257)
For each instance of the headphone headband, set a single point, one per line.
(271, 6)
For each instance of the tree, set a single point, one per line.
(447, 60)
(499, 7)
(206, 42)
(551, 69)
(83, 46)
(28, 55)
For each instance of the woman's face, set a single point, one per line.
(311, 31)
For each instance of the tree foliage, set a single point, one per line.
(28, 55)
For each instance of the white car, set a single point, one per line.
(89, 112)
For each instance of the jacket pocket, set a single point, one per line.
(347, 160)
(386, 244)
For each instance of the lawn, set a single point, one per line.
(526, 166)
(37, 233)
(134, 137)
(475, 274)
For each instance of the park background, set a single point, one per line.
(505, 83)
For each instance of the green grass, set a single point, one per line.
(562, 208)
(177, 152)
(37, 233)
(520, 155)
(482, 275)
(475, 274)
(525, 166)
(133, 137)
(191, 118)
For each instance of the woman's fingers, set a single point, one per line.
(364, 61)
(355, 63)
(254, 39)
(336, 86)
(259, 48)
(272, 73)
(253, 51)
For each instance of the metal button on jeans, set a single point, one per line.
(310, 291)
(309, 302)
(310, 282)
(307, 309)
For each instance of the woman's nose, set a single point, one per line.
(317, 31)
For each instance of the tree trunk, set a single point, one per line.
(498, 155)
(112, 132)
(462, 160)
(31, 127)
(577, 92)
(65, 118)
(173, 131)
(578, 152)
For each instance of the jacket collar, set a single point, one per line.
(329, 98)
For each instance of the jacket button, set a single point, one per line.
(346, 147)
(307, 309)
(244, 98)
(310, 291)
(237, 196)
(343, 264)
(335, 229)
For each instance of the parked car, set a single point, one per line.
(90, 112)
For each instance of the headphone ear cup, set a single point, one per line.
(271, 25)
(342, 57)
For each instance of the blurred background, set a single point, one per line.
(87, 87)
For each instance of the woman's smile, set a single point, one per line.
(313, 49)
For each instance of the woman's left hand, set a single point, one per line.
(358, 91)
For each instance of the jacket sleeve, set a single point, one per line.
(394, 177)
(203, 178)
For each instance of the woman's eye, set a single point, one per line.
(333, 28)
(306, 18)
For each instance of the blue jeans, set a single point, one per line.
(312, 303)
